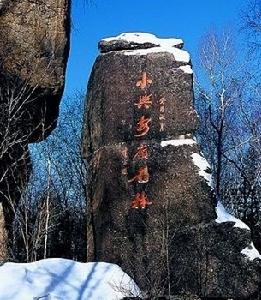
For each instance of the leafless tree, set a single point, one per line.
(16, 127)
(251, 24)
(217, 98)
(30, 213)
(59, 174)
(228, 102)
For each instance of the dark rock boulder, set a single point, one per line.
(212, 254)
(151, 209)
(34, 48)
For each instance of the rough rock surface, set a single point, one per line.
(212, 254)
(111, 118)
(151, 209)
(34, 46)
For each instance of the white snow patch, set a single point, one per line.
(186, 69)
(251, 252)
(224, 216)
(203, 166)
(178, 142)
(179, 55)
(143, 37)
(65, 279)
(162, 45)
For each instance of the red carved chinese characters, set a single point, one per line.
(144, 102)
(141, 155)
(142, 126)
(141, 176)
(142, 152)
(144, 82)
(140, 201)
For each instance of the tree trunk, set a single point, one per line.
(3, 236)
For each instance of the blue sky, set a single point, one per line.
(186, 19)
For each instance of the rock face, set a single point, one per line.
(34, 47)
(150, 205)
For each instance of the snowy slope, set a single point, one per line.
(63, 279)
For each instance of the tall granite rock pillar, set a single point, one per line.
(34, 48)
(150, 204)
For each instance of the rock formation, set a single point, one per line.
(151, 209)
(34, 46)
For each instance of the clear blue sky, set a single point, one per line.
(186, 19)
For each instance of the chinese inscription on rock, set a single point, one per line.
(143, 104)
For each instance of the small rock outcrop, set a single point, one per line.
(34, 48)
(151, 209)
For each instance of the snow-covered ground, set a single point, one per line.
(62, 279)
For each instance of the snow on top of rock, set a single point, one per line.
(65, 279)
(224, 216)
(186, 69)
(251, 252)
(143, 37)
(157, 45)
(203, 166)
(177, 142)
(179, 55)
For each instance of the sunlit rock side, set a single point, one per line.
(34, 47)
(173, 240)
